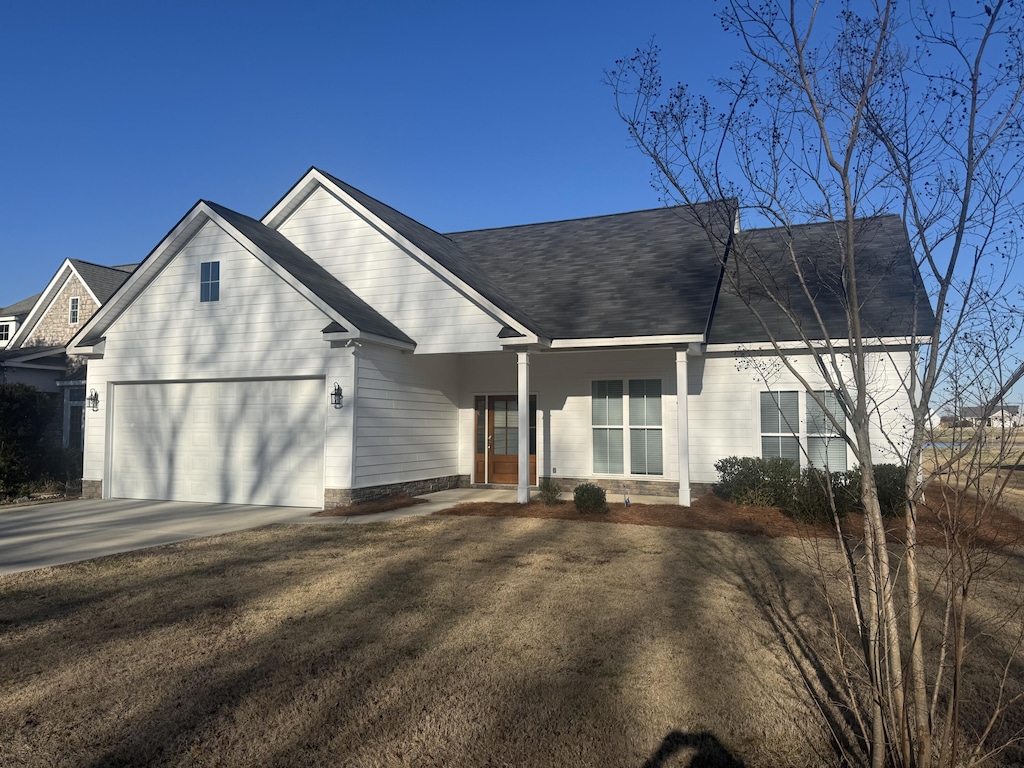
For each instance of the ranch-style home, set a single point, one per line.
(336, 350)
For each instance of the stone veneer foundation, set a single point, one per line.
(92, 489)
(343, 497)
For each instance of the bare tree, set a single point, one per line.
(835, 117)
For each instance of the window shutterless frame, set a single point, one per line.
(73, 304)
(209, 281)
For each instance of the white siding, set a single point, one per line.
(407, 419)
(722, 404)
(429, 310)
(261, 328)
(724, 416)
(562, 383)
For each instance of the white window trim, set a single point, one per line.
(627, 465)
(5, 332)
(74, 310)
(802, 433)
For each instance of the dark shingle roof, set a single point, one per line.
(304, 269)
(977, 411)
(645, 273)
(102, 281)
(893, 301)
(20, 308)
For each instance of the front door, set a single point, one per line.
(497, 439)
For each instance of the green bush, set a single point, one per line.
(890, 480)
(589, 499)
(756, 481)
(815, 494)
(549, 491)
(25, 417)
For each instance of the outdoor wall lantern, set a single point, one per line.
(93, 400)
(336, 397)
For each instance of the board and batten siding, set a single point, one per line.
(425, 307)
(562, 383)
(261, 328)
(406, 417)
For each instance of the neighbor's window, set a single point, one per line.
(606, 417)
(209, 281)
(5, 332)
(610, 401)
(780, 425)
(73, 310)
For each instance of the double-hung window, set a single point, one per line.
(73, 310)
(5, 331)
(209, 281)
(633, 406)
(785, 435)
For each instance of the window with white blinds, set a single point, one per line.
(782, 431)
(643, 451)
(826, 448)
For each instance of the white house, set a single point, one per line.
(337, 350)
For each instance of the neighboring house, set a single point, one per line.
(36, 348)
(1003, 416)
(337, 350)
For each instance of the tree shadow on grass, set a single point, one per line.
(708, 751)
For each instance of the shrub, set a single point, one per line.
(752, 480)
(815, 493)
(890, 480)
(549, 491)
(589, 499)
(25, 416)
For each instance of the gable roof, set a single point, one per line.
(311, 274)
(644, 273)
(297, 268)
(977, 411)
(102, 281)
(760, 274)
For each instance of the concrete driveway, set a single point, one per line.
(69, 531)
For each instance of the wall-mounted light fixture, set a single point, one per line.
(93, 400)
(336, 397)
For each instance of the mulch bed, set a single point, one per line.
(992, 529)
(370, 507)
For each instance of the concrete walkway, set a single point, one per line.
(63, 532)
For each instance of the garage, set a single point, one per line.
(235, 442)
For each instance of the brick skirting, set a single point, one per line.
(343, 497)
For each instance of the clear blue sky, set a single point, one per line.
(117, 117)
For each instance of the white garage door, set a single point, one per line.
(237, 442)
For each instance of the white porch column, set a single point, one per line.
(523, 495)
(683, 426)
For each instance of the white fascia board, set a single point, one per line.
(303, 189)
(628, 341)
(884, 342)
(147, 271)
(46, 298)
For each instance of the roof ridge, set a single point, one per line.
(589, 218)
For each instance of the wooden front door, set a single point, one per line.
(497, 439)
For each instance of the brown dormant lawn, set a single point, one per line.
(439, 641)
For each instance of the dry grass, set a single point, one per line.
(370, 507)
(441, 641)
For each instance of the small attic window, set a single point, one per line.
(73, 310)
(209, 281)
(5, 331)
